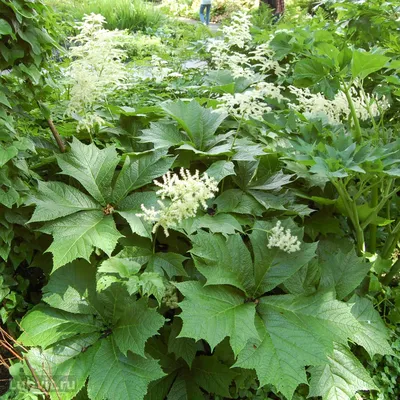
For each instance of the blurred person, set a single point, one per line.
(205, 6)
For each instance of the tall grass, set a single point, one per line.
(134, 15)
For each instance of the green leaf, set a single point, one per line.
(213, 313)
(273, 361)
(43, 326)
(131, 205)
(373, 334)
(121, 265)
(219, 223)
(237, 201)
(296, 331)
(6, 154)
(114, 376)
(92, 167)
(341, 377)
(8, 196)
(137, 323)
(68, 363)
(163, 135)
(223, 262)
(199, 123)
(309, 71)
(170, 263)
(5, 27)
(139, 171)
(56, 200)
(364, 64)
(76, 236)
(70, 288)
(185, 348)
(340, 270)
(152, 283)
(213, 376)
(185, 388)
(221, 169)
(273, 266)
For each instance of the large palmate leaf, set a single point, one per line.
(373, 334)
(76, 236)
(341, 269)
(219, 223)
(199, 123)
(44, 326)
(140, 170)
(223, 262)
(341, 377)
(56, 199)
(136, 324)
(114, 376)
(108, 325)
(68, 363)
(213, 313)
(163, 135)
(296, 331)
(92, 167)
(273, 266)
(221, 169)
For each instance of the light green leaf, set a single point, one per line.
(43, 326)
(296, 331)
(364, 63)
(76, 236)
(137, 323)
(273, 361)
(56, 200)
(152, 283)
(139, 171)
(131, 205)
(6, 154)
(219, 223)
(123, 266)
(340, 270)
(114, 376)
(373, 334)
(223, 262)
(163, 135)
(92, 167)
(273, 266)
(213, 313)
(5, 27)
(221, 169)
(341, 377)
(68, 364)
(309, 71)
(8, 196)
(69, 288)
(199, 123)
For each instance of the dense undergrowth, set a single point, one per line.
(194, 216)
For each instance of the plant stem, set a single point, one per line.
(56, 135)
(357, 129)
(385, 280)
(373, 228)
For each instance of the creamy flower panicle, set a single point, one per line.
(283, 239)
(185, 194)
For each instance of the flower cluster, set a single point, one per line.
(97, 66)
(283, 239)
(170, 298)
(252, 102)
(316, 105)
(184, 194)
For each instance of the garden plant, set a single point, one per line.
(196, 215)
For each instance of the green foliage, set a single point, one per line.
(281, 286)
